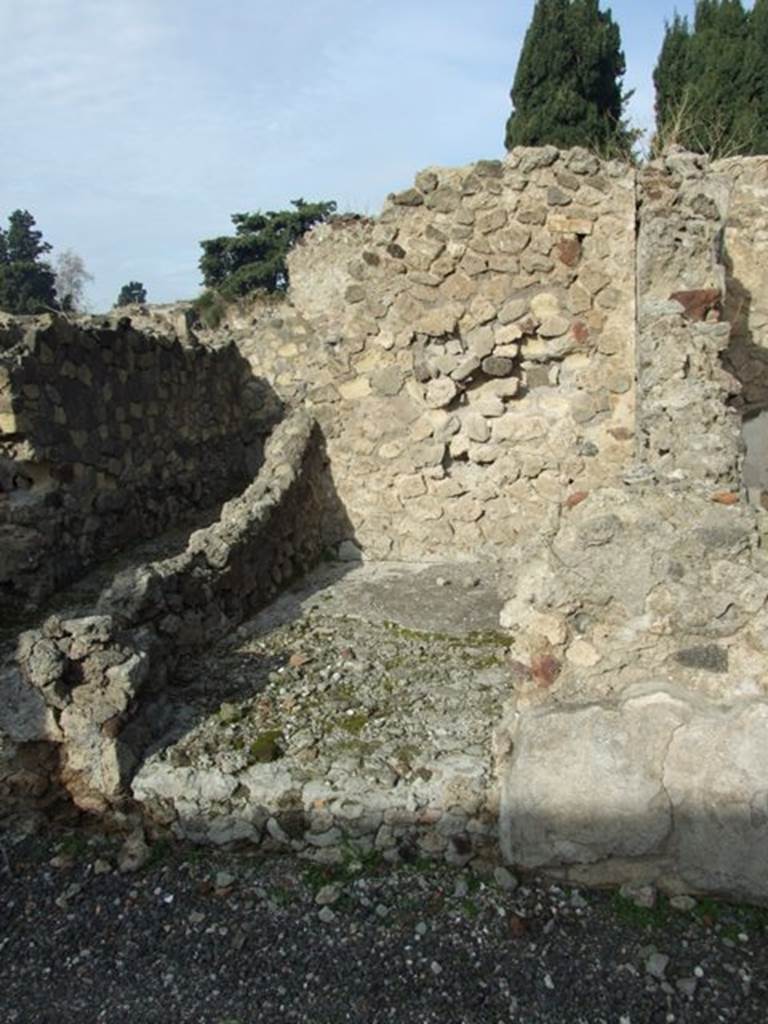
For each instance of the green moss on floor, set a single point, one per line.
(266, 747)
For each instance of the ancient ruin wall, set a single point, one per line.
(745, 254)
(688, 428)
(469, 355)
(108, 434)
(95, 685)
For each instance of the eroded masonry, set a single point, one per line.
(549, 370)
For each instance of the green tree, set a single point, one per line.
(567, 89)
(27, 282)
(711, 79)
(255, 256)
(132, 294)
(755, 76)
(671, 76)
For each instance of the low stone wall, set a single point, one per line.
(634, 747)
(108, 434)
(95, 685)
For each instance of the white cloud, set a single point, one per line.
(133, 128)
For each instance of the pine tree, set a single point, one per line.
(132, 294)
(27, 283)
(254, 258)
(567, 89)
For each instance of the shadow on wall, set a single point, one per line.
(95, 683)
(747, 361)
(696, 847)
(109, 436)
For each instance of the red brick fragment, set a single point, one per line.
(545, 669)
(580, 332)
(699, 302)
(576, 498)
(726, 497)
(569, 251)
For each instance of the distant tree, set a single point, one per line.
(255, 256)
(71, 277)
(133, 293)
(712, 80)
(567, 89)
(27, 282)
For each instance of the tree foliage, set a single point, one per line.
(671, 73)
(255, 256)
(567, 89)
(133, 293)
(27, 282)
(711, 80)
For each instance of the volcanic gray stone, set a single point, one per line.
(498, 366)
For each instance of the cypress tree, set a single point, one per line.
(755, 77)
(671, 75)
(710, 80)
(567, 89)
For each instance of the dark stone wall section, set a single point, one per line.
(108, 435)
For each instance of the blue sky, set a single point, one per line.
(133, 128)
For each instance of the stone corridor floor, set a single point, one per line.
(369, 690)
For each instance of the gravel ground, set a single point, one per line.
(212, 937)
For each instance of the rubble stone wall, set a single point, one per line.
(470, 354)
(745, 254)
(108, 434)
(688, 428)
(95, 685)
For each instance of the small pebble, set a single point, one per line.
(505, 879)
(327, 895)
(683, 903)
(656, 965)
(643, 896)
(687, 986)
(326, 915)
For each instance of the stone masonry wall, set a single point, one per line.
(745, 254)
(688, 430)
(108, 434)
(469, 355)
(95, 686)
